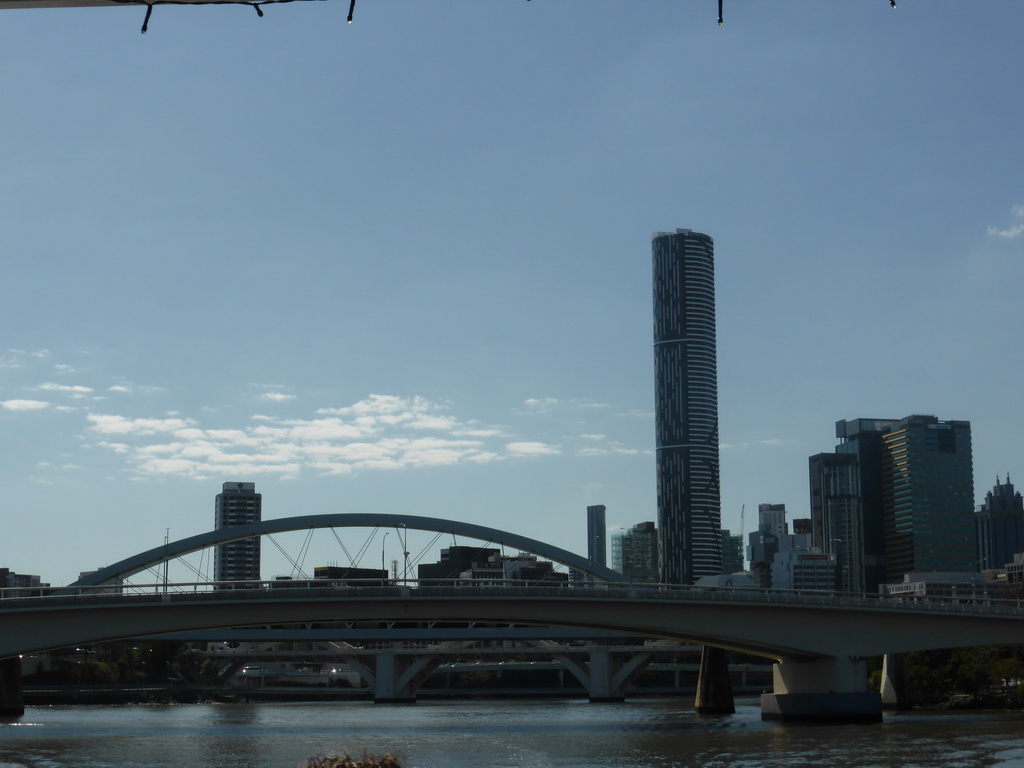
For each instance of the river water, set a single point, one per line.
(497, 734)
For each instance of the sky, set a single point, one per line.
(404, 266)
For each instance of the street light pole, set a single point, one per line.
(383, 570)
(405, 553)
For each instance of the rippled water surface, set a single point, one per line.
(496, 733)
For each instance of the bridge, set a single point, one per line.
(819, 643)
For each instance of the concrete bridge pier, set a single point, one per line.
(895, 689)
(828, 690)
(605, 675)
(395, 677)
(12, 704)
(714, 688)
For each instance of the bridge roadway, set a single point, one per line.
(818, 641)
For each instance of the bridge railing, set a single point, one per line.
(353, 589)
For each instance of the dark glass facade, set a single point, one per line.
(837, 524)
(686, 406)
(928, 495)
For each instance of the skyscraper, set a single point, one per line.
(837, 525)
(237, 504)
(597, 535)
(635, 553)
(862, 438)
(915, 489)
(686, 406)
(928, 495)
(1000, 526)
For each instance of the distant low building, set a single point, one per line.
(955, 585)
(19, 584)
(518, 568)
(454, 561)
(804, 568)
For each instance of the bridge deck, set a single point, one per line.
(772, 624)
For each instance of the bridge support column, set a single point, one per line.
(895, 690)
(12, 704)
(388, 689)
(714, 689)
(606, 675)
(395, 677)
(830, 690)
(600, 686)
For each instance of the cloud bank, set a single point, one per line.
(381, 432)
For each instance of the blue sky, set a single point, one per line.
(404, 265)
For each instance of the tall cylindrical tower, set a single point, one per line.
(686, 406)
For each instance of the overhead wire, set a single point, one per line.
(257, 6)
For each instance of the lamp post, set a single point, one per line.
(405, 552)
(383, 571)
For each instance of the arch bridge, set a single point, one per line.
(819, 642)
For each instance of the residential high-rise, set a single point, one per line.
(237, 504)
(686, 406)
(635, 553)
(597, 536)
(1000, 524)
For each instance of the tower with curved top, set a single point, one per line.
(686, 406)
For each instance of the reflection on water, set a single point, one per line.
(498, 734)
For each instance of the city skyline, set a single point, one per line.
(339, 263)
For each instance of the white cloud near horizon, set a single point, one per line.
(380, 432)
(1016, 229)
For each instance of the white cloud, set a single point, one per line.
(531, 449)
(70, 389)
(108, 424)
(24, 405)
(1016, 229)
(379, 432)
(540, 403)
(276, 397)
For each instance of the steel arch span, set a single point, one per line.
(174, 549)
